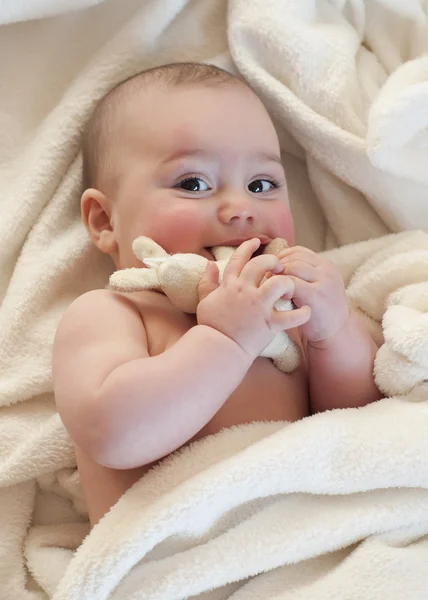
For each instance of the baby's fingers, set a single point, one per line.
(276, 287)
(240, 258)
(300, 253)
(209, 280)
(301, 269)
(288, 319)
(256, 269)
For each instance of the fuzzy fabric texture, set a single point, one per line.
(346, 83)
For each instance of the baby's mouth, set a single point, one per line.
(208, 254)
(260, 250)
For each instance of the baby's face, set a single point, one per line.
(197, 167)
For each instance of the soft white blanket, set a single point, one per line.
(347, 84)
(351, 482)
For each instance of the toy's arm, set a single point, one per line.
(135, 280)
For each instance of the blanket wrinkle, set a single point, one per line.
(343, 494)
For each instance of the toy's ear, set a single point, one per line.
(144, 247)
(275, 246)
(180, 277)
(135, 280)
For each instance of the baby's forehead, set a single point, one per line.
(162, 97)
(190, 113)
(132, 107)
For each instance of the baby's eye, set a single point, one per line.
(262, 185)
(193, 184)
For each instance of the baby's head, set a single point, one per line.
(185, 154)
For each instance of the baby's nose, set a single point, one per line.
(238, 211)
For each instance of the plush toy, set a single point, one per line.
(178, 275)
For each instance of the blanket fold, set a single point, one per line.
(346, 84)
(242, 509)
(301, 491)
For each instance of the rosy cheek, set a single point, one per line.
(283, 224)
(179, 229)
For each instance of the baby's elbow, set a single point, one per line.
(102, 450)
(86, 424)
(104, 455)
(108, 444)
(112, 436)
(97, 438)
(110, 455)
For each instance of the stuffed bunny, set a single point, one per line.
(178, 275)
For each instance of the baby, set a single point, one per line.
(187, 155)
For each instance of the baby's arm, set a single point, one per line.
(341, 369)
(339, 349)
(126, 408)
(123, 407)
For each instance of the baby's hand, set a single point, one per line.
(242, 306)
(319, 285)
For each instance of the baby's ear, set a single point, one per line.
(96, 216)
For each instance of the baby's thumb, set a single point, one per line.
(209, 280)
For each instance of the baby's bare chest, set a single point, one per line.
(265, 394)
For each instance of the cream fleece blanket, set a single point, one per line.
(347, 84)
(332, 506)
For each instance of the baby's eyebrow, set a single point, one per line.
(213, 155)
(268, 157)
(189, 152)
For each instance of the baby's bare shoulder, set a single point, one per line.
(95, 308)
(108, 321)
(107, 306)
(99, 331)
